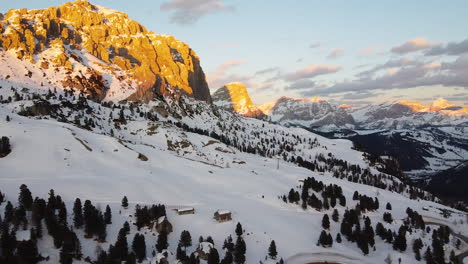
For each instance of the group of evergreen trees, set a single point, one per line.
(145, 215)
(330, 195)
(53, 213)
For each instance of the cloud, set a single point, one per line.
(301, 84)
(411, 74)
(267, 71)
(452, 48)
(190, 11)
(311, 71)
(370, 50)
(395, 63)
(315, 45)
(219, 76)
(413, 45)
(335, 53)
(222, 75)
(359, 95)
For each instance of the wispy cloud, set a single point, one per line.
(452, 48)
(267, 71)
(190, 11)
(220, 75)
(403, 74)
(311, 71)
(370, 50)
(335, 53)
(413, 45)
(301, 84)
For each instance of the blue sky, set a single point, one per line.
(353, 52)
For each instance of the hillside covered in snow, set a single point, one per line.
(97, 166)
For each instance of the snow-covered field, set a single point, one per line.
(47, 155)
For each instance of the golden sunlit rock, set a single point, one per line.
(151, 60)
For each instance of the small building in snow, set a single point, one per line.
(163, 225)
(222, 216)
(186, 210)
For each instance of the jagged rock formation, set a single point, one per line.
(150, 63)
(406, 114)
(234, 97)
(306, 112)
(285, 110)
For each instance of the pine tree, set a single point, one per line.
(326, 222)
(139, 247)
(121, 245)
(25, 198)
(193, 259)
(240, 250)
(180, 254)
(101, 228)
(389, 206)
(239, 230)
(400, 240)
(213, 257)
(8, 212)
(335, 215)
(125, 202)
(428, 256)
(338, 238)
(387, 217)
(228, 244)
(417, 246)
(27, 252)
(438, 250)
(77, 214)
(162, 243)
(356, 195)
(185, 239)
(108, 216)
(126, 227)
(228, 258)
(272, 250)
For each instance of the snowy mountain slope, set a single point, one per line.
(57, 160)
(403, 114)
(423, 138)
(187, 169)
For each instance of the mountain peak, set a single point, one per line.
(150, 64)
(235, 97)
(439, 104)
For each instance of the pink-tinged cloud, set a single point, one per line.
(370, 50)
(189, 11)
(335, 53)
(311, 71)
(218, 77)
(413, 45)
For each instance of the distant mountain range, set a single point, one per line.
(318, 114)
(424, 138)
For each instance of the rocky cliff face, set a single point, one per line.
(285, 110)
(153, 64)
(234, 97)
(320, 115)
